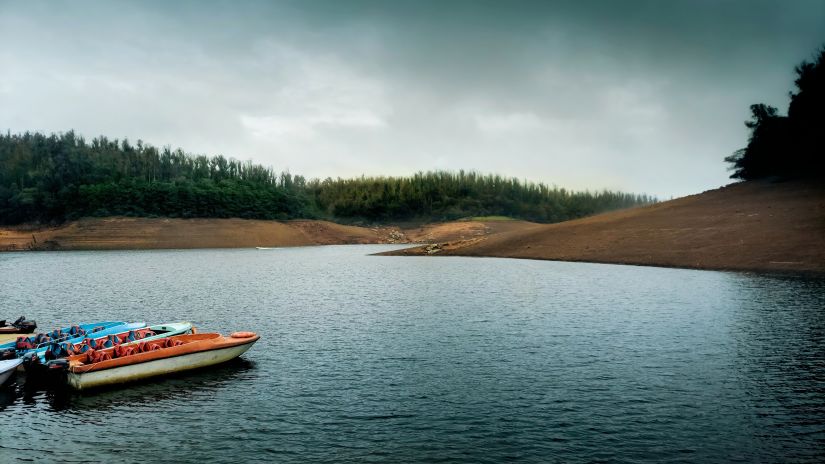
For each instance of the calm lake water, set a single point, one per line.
(404, 359)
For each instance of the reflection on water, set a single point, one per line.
(175, 388)
(8, 394)
(58, 397)
(420, 359)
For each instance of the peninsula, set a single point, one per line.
(748, 226)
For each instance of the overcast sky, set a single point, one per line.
(642, 96)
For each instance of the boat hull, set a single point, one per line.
(154, 368)
(15, 330)
(7, 369)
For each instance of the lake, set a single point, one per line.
(422, 359)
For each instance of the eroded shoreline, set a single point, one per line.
(752, 226)
(127, 233)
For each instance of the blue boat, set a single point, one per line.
(41, 341)
(126, 334)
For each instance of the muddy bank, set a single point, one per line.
(753, 226)
(121, 233)
(158, 233)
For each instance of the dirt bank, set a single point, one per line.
(753, 226)
(458, 230)
(146, 233)
(120, 233)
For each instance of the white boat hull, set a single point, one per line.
(145, 370)
(8, 368)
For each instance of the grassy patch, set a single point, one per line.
(491, 218)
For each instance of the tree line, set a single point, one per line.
(57, 177)
(791, 146)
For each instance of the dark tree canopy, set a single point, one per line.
(52, 178)
(791, 146)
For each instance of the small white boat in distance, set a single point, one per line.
(266, 248)
(7, 368)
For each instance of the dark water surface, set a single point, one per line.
(405, 359)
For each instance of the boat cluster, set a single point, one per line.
(113, 352)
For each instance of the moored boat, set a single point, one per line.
(132, 333)
(20, 326)
(122, 364)
(61, 334)
(7, 369)
(34, 345)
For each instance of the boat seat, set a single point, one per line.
(153, 345)
(170, 342)
(122, 351)
(98, 356)
(64, 349)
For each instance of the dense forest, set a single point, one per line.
(791, 146)
(58, 177)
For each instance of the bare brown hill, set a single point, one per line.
(755, 226)
(121, 233)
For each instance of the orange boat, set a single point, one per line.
(122, 364)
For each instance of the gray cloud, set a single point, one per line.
(641, 96)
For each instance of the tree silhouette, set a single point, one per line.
(790, 146)
(806, 113)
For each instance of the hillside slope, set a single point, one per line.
(759, 226)
(121, 233)
(126, 233)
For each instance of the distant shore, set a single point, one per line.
(751, 226)
(127, 233)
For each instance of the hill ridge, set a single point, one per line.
(747, 226)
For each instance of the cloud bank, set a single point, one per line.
(639, 96)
